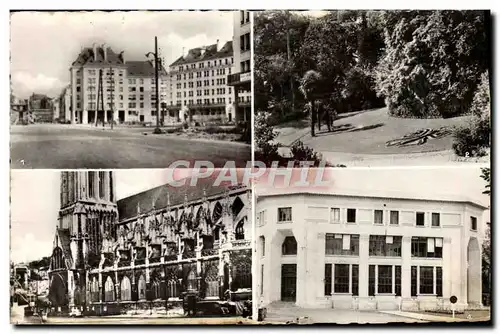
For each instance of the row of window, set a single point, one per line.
(244, 16)
(202, 65)
(379, 245)
(245, 42)
(206, 92)
(382, 279)
(285, 215)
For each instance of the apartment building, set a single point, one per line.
(241, 78)
(124, 83)
(199, 84)
(351, 250)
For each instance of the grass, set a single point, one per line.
(368, 131)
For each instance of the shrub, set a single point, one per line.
(474, 138)
(304, 153)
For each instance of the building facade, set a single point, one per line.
(65, 105)
(128, 88)
(41, 108)
(145, 251)
(199, 84)
(349, 251)
(241, 79)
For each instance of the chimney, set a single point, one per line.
(121, 57)
(202, 51)
(183, 52)
(218, 46)
(94, 49)
(105, 52)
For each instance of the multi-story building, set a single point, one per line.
(145, 251)
(240, 80)
(41, 108)
(65, 104)
(350, 250)
(128, 87)
(199, 84)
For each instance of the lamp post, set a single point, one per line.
(157, 63)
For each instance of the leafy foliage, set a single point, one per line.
(474, 138)
(432, 62)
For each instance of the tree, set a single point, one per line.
(310, 88)
(433, 61)
(486, 258)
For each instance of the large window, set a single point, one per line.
(435, 219)
(125, 289)
(385, 245)
(351, 215)
(341, 278)
(427, 247)
(341, 274)
(91, 186)
(420, 219)
(384, 279)
(101, 184)
(240, 231)
(261, 279)
(155, 290)
(394, 218)
(289, 246)
(378, 217)
(141, 288)
(426, 280)
(262, 245)
(284, 214)
(109, 290)
(473, 223)
(341, 244)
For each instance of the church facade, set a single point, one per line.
(144, 252)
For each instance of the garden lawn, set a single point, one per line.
(366, 132)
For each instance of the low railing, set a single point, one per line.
(209, 252)
(241, 243)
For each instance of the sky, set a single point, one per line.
(44, 44)
(35, 195)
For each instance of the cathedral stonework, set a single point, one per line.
(146, 251)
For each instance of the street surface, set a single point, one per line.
(55, 146)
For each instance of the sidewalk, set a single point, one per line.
(432, 318)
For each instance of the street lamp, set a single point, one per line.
(157, 130)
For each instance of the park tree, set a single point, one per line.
(433, 61)
(310, 87)
(486, 258)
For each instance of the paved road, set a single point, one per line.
(73, 147)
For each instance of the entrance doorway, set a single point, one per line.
(121, 116)
(288, 282)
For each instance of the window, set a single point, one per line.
(289, 246)
(262, 245)
(394, 217)
(109, 290)
(341, 275)
(101, 184)
(427, 247)
(91, 184)
(125, 289)
(426, 280)
(371, 280)
(328, 279)
(284, 214)
(420, 219)
(341, 244)
(384, 279)
(435, 219)
(473, 223)
(240, 232)
(355, 280)
(414, 281)
(397, 276)
(351, 215)
(385, 245)
(439, 281)
(378, 217)
(155, 290)
(191, 280)
(334, 215)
